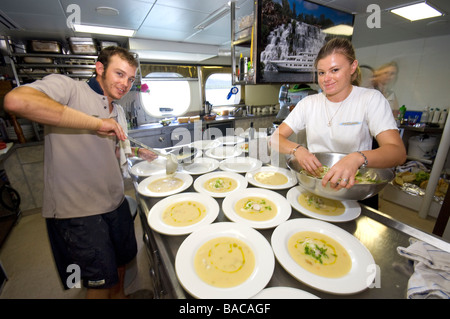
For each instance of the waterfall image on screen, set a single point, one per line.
(291, 34)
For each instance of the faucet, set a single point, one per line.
(237, 110)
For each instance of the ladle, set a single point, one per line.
(171, 159)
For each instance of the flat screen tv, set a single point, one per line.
(290, 34)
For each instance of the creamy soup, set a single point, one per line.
(319, 254)
(321, 205)
(255, 208)
(165, 184)
(224, 262)
(220, 184)
(184, 213)
(271, 178)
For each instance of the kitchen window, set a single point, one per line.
(168, 94)
(219, 90)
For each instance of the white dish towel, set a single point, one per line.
(124, 146)
(431, 277)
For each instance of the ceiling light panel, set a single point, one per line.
(103, 30)
(418, 11)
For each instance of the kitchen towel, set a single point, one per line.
(124, 146)
(431, 277)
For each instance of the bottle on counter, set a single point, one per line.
(251, 132)
(241, 68)
(251, 71)
(401, 114)
(425, 116)
(436, 115)
(245, 68)
(443, 118)
(430, 115)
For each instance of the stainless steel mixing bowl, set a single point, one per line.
(358, 192)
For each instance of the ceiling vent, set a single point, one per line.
(7, 22)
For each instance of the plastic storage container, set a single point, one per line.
(40, 46)
(105, 44)
(82, 45)
(430, 115)
(425, 116)
(436, 115)
(32, 59)
(443, 118)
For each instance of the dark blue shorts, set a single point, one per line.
(97, 244)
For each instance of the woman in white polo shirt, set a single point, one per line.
(342, 118)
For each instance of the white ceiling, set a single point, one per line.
(174, 21)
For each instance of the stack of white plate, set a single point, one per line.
(27, 130)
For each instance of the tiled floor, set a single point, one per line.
(28, 262)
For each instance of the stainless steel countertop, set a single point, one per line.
(379, 233)
(218, 119)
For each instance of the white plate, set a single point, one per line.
(205, 144)
(241, 181)
(156, 223)
(240, 164)
(352, 208)
(264, 262)
(360, 275)
(283, 207)
(292, 179)
(145, 168)
(230, 140)
(200, 165)
(284, 293)
(222, 152)
(143, 189)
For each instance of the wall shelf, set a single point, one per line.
(243, 43)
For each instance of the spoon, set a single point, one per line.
(171, 163)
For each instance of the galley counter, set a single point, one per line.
(379, 233)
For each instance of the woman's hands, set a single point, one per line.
(340, 175)
(308, 161)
